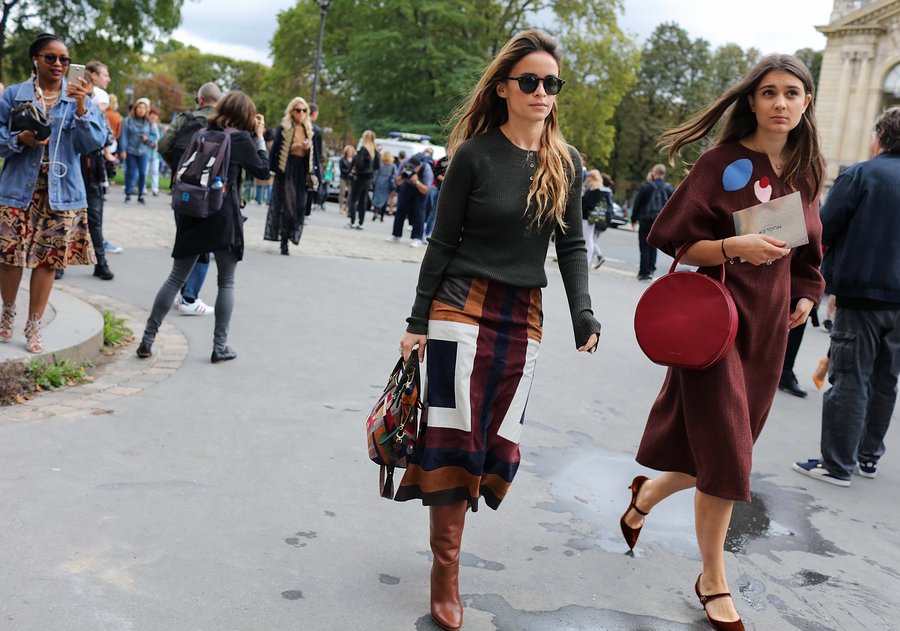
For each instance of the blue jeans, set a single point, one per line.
(194, 282)
(263, 193)
(135, 172)
(856, 411)
(431, 210)
(648, 252)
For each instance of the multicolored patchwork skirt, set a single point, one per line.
(483, 341)
(40, 237)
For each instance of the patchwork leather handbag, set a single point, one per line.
(686, 319)
(392, 427)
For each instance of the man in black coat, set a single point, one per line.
(312, 198)
(651, 197)
(860, 224)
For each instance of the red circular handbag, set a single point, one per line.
(686, 319)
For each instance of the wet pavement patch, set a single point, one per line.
(776, 519)
(467, 559)
(591, 482)
(292, 594)
(570, 618)
(387, 579)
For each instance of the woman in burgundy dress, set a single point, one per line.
(703, 425)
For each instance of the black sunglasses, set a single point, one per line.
(528, 83)
(50, 58)
(302, 110)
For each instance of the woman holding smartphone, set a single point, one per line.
(138, 141)
(512, 182)
(222, 232)
(43, 216)
(703, 425)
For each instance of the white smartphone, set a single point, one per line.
(76, 72)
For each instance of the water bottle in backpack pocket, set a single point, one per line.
(201, 179)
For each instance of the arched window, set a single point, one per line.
(891, 88)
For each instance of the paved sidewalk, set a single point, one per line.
(240, 496)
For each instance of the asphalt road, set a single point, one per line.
(240, 496)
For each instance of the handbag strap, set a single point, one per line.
(681, 252)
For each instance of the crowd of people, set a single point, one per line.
(488, 216)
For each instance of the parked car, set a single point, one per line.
(410, 144)
(333, 181)
(619, 216)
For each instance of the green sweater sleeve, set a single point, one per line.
(445, 238)
(572, 255)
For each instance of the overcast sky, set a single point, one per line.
(228, 27)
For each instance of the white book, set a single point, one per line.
(781, 218)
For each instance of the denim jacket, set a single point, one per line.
(70, 137)
(130, 141)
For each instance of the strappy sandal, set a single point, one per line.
(33, 342)
(631, 534)
(719, 625)
(6, 321)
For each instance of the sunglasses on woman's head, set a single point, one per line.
(50, 58)
(528, 83)
(301, 110)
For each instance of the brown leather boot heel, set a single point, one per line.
(447, 524)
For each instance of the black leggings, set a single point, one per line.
(359, 198)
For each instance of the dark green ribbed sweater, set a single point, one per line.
(483, 231)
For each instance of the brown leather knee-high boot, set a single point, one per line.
(446, 536)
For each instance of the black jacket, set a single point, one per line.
(860, 226)
(645, 194)
(225, 229)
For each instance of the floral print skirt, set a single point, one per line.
(37, 236)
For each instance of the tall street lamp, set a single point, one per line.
(323, 5)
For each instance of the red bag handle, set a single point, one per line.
(681, 253)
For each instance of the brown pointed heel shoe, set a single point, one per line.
(631, 534)
(719, 625)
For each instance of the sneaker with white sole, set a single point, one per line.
(392, 238)
(815, 469)
(416, 243)
(198, 307)
(112, 248)
(867, 469)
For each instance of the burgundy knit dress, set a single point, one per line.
(704, 422)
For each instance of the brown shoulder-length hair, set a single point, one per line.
(484, 110)
(803, 161)
(235, 110)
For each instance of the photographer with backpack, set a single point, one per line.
(219, 230)
(651, 197)
(172, 146)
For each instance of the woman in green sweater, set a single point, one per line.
(511, 184)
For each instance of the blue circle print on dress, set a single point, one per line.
(737, 174)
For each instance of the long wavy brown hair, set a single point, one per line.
(484, 110)
(803, 161)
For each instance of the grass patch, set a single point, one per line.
(56, 374)
(115, 333)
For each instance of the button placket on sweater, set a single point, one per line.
(530, 164)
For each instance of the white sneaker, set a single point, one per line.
(392, 238)
(111, 248)
(416, 243)
(198, 307)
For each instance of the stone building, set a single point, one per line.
(860, 77)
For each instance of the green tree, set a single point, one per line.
(405, 64)
(813, 60)
(112, 30)
(678, 76)
(599, 65)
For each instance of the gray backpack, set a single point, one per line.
(201, 179)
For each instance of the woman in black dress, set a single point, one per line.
(291, 162)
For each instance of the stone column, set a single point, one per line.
(859, 125)
(840, 111)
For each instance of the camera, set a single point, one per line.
(407, 172)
